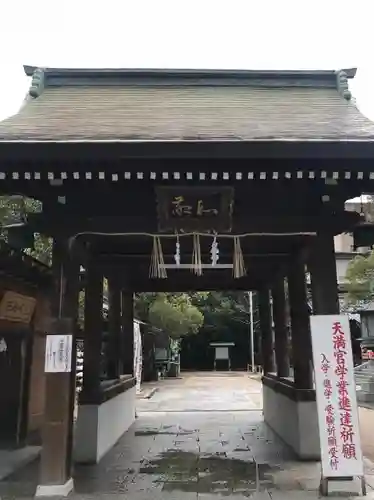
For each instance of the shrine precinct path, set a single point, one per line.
(199, 437)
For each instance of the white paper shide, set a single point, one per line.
(341, 454)
(58, 352)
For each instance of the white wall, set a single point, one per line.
(296, 423)
(99, 427)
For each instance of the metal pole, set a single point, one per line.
(250, 295)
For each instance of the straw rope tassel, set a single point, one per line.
(163, 273)
(239, 269)
(196, 256)
(156, 268)
(152, 267)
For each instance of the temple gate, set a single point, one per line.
(143, 173)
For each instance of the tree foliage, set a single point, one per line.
(226, 309)
(173, 313)
(227, 318)
(14, 209)
(216, 314)
(359, 281)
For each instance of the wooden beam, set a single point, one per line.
(39, 156)
(264, 307)
(324, 280)
(57, 433)
(112, 260)
(114, 361)
(299, 312)
(180, 286)
(134, 276)
(127, 332)
(280, 327)
(186, 281)
(140, 267)
(252, 248)
(50, 224)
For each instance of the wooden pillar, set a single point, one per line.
(280, 327)
(93, 329)
(57, 432)
(266, 330)
(127, 320)
(114, 367)
(322, 268)
(301, 341)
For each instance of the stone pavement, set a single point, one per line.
(202, 453)
(206, 391)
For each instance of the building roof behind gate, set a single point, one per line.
(148, 105)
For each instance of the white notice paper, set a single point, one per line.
(339, 432)
(58, 352)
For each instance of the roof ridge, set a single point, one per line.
(351, 72)
(42, 77)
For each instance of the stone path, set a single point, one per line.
(206, 391)
(200, 453)
(183, 455)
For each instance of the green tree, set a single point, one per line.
(14, 209)
(226, 319)
(229, 309)
(359, 281)
(173, 313)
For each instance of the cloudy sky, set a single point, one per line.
(267, 34)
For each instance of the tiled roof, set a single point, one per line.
(282, 106)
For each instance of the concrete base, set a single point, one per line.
(99, 427)
(296, 422)
(55, 490)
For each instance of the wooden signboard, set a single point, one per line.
(194, 209)
(16, 307)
